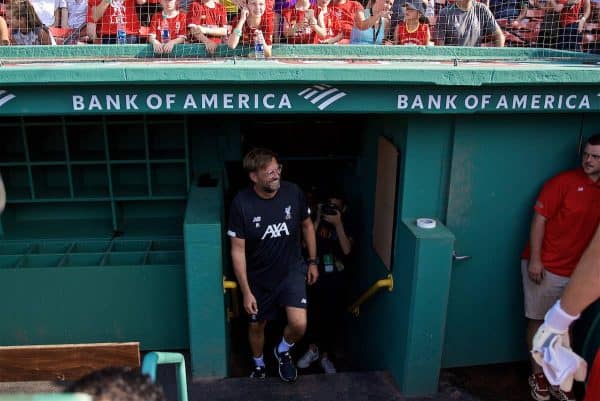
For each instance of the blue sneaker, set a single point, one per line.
(287, 370)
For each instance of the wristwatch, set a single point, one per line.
(312, 261)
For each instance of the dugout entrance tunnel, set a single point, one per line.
(118, 187)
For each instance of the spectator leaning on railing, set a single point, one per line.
(254, 24)
(25, 26)
(380, 32)
(207, 21)
(109, 14)
(466, 23)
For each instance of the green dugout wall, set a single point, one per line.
(117, 182)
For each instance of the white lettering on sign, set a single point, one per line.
(493, 102)
(189, 101)
(281, 101)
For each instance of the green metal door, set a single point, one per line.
(498, 165)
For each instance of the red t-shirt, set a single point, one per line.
(418, 37)
(107, 25)
(592, 392)
(266, 26)
(332, 24)
(346, 13)
(569, 14)
(293, 16)
(570, 202)
(177, 25)
(200, 14)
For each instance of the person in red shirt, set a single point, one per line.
(161, 41)
(351, 14)
(571, 22)
(254, 23)
(296, 23)
(413, 30)
(566, 215)
(207, 21)
(108, 13)
(327, 28)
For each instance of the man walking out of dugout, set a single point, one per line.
(265, 224)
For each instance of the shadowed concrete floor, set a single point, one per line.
(345, 386)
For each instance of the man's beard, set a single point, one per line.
(271, 189)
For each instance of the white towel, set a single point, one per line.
(560, 364)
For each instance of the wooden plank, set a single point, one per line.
(64, 361)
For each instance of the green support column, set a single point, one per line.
(430, 268)
(204, 277)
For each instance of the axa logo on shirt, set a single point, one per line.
(275, 230)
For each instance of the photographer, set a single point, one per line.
(326, 297)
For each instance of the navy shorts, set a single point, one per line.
(290, 292)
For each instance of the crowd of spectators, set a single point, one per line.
(165, 23)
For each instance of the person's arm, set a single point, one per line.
(2, 195)
(584, 285)
(90, 30)
(310, 239)
(499, 37)
(45, 37)
(363, 23)
(213, 31)
(168, 47)
(587, 9)
(99, 9)
(236, 33)
(196, 32)
(156, 44)
(318, 25)
(336, 221)
(427, 37)
(3, 32)
(238, 257)
(536, 237)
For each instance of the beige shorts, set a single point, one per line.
(539, 298)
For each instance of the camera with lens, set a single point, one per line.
(329, 209)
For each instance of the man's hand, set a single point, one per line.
(313, 274)
(250, 304)
(535, 270)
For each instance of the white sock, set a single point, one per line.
(284, 346)
(259, 361)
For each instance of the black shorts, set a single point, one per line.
(290, 292)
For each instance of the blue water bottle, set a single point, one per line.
(165, 32)
(121, 32)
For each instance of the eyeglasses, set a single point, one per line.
(594, 157)
(275, 171)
